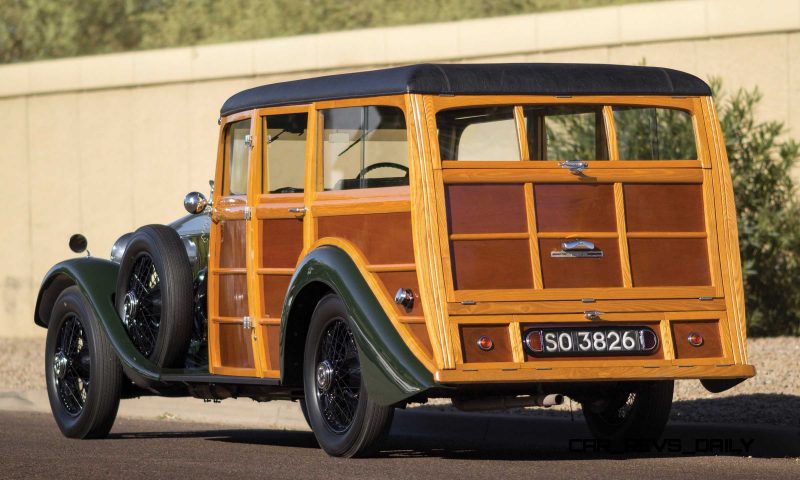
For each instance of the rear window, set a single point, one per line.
(647, 133)
(565, 132)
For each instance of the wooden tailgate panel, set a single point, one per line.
(501, 240)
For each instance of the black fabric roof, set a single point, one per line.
(475, 79)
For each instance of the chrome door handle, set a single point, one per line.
(575, 167)
(300, 210)
(573, 245)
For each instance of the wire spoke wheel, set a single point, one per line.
(620, 410)
(338, 376)
(82, 372)
(71, 366)
(142, 304)
(632, 411)
(345, 420)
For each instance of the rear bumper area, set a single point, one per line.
(593, 373)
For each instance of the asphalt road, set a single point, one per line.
(422, 445)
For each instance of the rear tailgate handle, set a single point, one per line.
(575, 167)
(577, 245)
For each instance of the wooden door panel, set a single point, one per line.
(575, 208)
(664, 208)
(232, 244)
(230, 343)
(581, 272)
(659, 262)
(282, 241)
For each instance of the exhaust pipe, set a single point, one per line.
(503, 403)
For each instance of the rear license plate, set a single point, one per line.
(580, 341)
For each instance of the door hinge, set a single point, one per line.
(247, 324)
(248, 213)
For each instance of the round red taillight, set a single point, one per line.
(695, 339)
(485, 343)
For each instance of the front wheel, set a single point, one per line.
(630, 412)
(84, 377)
(345, 421)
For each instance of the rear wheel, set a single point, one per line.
(636, 411)
(84, 377)
(154, 295)
(345, 421)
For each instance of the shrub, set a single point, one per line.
(768, 210)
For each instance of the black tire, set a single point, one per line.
(355, 425)
(304, 411)
(84, 390)
(154, 295)
(635, 411)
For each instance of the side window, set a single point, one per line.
(364, 147)
(237, 158)
(285, 153)
(647, 133)
(485, 133)
(566, 132)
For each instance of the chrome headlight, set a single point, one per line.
(118, 249)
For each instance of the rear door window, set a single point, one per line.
(285, 151)
(364, 147)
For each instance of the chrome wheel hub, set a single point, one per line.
(130, 306)
(60, 364)
(324, 375)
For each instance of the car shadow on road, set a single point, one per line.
(429, 432)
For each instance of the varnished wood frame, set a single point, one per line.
(226, 208)
(669, 302)
(727, 234)
(427, 173)
(264, 206)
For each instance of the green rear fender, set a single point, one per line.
(389, 370)
(97, 280)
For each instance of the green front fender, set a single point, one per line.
(389, 370)
(97, 280)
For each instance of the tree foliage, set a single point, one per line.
(40, 29)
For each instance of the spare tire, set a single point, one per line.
(154, 295)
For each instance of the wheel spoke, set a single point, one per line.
(72, 346)
(340, 400)
(144, 290)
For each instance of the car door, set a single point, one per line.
(230, 332)
(278, 222)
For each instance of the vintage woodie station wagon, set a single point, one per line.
(502, 235)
